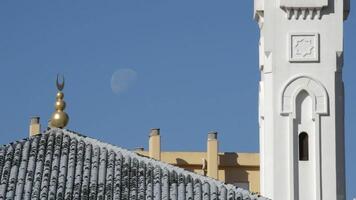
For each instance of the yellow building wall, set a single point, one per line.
(233, 167)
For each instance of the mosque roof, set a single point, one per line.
(60, 164)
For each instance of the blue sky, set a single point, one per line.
(187, 67)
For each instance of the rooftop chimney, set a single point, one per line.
(35, 126)
(154, 146)
(212, 155)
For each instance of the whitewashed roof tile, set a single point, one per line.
(60, 164)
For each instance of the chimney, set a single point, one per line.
(212, 155)
(154, 146)
(35, 126)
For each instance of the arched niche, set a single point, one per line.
(314, 88)
(303, 101)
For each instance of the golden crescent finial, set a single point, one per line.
(59, 118)
(60, 86)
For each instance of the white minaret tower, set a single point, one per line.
(301, 98)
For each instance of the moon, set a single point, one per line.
(122, 80)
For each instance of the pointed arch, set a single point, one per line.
(313, 87)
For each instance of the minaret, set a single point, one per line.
(301, 98)
(59, 118)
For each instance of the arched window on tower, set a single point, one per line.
(303, 146)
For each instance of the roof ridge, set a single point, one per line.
(163, 165)
(126, 152)
(31, 169)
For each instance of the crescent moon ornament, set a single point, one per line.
(60, 86)
(59, 118)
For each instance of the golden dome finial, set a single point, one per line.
(59, 118)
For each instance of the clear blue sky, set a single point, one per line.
(184, 66)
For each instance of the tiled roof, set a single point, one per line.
(60, 164)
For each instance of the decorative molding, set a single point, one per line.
(314, 88)
(259, 12)
(303, 13)
(303, 47)
(268, 64)
(339, 60)
(303, 9)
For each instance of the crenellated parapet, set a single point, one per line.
(300, 9)
(303, 9)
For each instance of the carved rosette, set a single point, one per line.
(304, 47)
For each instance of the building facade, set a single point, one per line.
(239, 169)
(301, 98)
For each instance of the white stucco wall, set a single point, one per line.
(301, 48)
